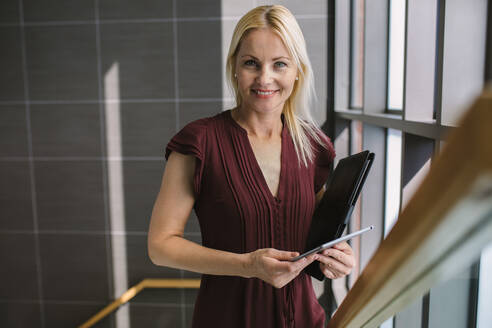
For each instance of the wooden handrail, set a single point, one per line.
(441, 231)
(133, 291)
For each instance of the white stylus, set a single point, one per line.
(331, 243)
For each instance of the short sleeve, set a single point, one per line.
(191, 140)
(323, 162)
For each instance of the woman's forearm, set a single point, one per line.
(180, 253)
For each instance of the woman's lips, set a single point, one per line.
(260, 93)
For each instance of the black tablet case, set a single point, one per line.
(335, 208)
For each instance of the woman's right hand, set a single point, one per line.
(273, 266)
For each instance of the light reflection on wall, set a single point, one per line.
(116, 191)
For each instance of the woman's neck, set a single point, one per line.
(262, 126)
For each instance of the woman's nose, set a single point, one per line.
(265, 76)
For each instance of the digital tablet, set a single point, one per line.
(335, 208)
(332, 243)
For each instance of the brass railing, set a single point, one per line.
(133, 291)
(440, 232)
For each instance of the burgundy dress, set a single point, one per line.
(238, 213)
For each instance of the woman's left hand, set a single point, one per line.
(338, 261)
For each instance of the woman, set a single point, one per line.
(253, 175)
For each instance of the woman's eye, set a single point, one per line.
(250, 63)
(280, 64)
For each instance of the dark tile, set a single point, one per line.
(189, 316)
(163, 296)
(190, 296)
(74, 267)
(9, 11)
(66, 130)
(138, 262)
(142, 180)
(197, 8)
(191, 111)
(15, 196)
(199, 62)
(130, 9)
(12, 77)
(62, 62)
(72, 315)
(13, 131)
(70, 195)
(192, 224)
(150, 316)
(146, 128)
(18, 267)
(140, 55)
(52, 10)
(20, 315)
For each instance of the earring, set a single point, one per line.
(297, 78)
(235, 75)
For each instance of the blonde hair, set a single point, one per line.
(297, 113)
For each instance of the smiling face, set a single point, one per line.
(266, 73)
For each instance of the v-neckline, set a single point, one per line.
(259, 173)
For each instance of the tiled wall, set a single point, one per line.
(90, 93)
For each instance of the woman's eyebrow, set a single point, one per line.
(276, 58)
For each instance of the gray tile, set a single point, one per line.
(190, 297)
(62, 62)
(66, 130)
(15, 196)
(20, 315)
(142, 180)
(53, 10)
(11, 79)
(163, 296)
(130, 9)
(192, 224)
(9, 11)
(139, 265)
(314, 31)
(13, 131)
(236, 7)
(70, 195)
(189, 316)
(141, 54)
(228, 27)
(191, 111)
(309, 7)
(197, 8)
(72, 315)
(146, 128)
(74, 267)
(18, 267)
(199, 59)
(150, 316)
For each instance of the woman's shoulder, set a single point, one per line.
(201, 125)
(192, 137)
